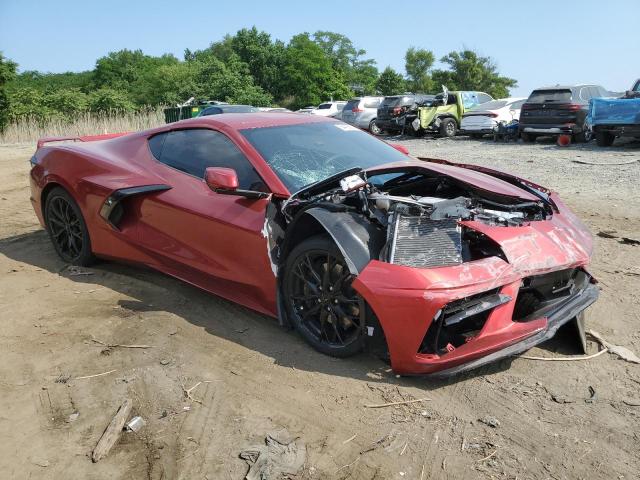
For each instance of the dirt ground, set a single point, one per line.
(258, 379)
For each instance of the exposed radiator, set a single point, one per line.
(422, 242)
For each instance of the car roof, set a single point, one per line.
(566, 87)
(239, 121)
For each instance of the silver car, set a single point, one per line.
(361, 112)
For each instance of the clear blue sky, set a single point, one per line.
(538, 43)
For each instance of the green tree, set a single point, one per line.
(359, 73)
(128, 70)
(28, 102)
(110, 100)
(263, 57)
(82, 81)
(418, 63)
(390, 82)
(308, 76)
(67, 103)
(470, 71)
(7, 74)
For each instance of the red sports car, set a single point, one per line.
(442, 267)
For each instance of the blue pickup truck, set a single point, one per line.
(610, 118)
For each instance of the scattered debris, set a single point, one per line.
(73, 417)
(112, 432)
(386, 440)
(564, 359)
(135, 424)
(115, 345)
(277, 458)
(488, 456)
(612, 234)
(165, 361)
(632, 403)
(605, 164)
(349, 439)
(390, 404)
(44, 463)
(490, 421)
(62, 378)
(592, 395)
(622, 352)
(629, 241)
(607, 234)
(187, 393)
(559, 398)
(75, 271)
(96, 375)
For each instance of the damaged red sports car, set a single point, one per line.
(356, 245)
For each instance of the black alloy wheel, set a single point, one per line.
(67, 228)
(321, 303)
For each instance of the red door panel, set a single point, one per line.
(212, 240)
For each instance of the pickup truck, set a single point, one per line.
(443, 114)
(611, 118)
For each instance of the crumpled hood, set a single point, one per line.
(560, 242)
(479, 180)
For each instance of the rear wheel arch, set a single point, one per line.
(46, 191)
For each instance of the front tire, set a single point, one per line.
(320, 302)
(67, 228)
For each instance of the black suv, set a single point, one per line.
(393, 109)
(559, 110)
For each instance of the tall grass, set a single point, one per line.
(29, 130)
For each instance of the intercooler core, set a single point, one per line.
(419, 241)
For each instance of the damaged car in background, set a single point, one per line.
(437, 267)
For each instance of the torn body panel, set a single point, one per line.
(446, 266)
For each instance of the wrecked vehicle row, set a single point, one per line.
(436, 266)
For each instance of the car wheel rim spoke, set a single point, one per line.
(66, 228)
(323, 300)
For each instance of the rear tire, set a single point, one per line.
(527, 137)
(67, 228)
(604, 139)
(584, 136)
(448, 128)
(320, 302)
(374, 128)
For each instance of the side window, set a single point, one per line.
(484, 98)
(469, 99)
(517, 105)
(211, 111)
(373, 103)
(584, 94)
(192, 151)
(595, 92)
(155, 144)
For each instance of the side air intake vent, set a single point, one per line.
(421, 242)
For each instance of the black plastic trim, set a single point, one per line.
(556, 318)
(117, 196)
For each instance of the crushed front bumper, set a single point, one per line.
(408, 300)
